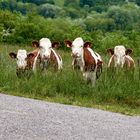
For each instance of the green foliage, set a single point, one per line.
(118, 25)
(138, 2)
(38, 2)
(123, 17)
(86, 2)
(69, 2)
(13, 6)
(48, 10)
(101, 23)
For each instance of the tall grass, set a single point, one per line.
(115, 90)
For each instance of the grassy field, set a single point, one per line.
(114, 91)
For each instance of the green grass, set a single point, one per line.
(114, 91)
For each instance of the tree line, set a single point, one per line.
(116, 24)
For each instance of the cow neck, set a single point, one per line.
(90, 62)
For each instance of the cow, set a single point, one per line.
(48, 55)
(25, 61)
(88, 61)
(120, 57)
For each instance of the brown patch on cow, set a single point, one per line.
(52, 61)
(30, 59)
(90, 63)
(111, 62)
(129, 64)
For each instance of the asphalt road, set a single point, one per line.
(28, 119)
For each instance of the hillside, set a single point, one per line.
(92, 20)
(68, 6)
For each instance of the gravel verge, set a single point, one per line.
(28, 119)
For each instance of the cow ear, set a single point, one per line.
(30, 55)
(13, 55)
(55, 44)
(110, 51)
(68, 43)
(87, 44)
(128, 51)
(35, 44)
(99, 62)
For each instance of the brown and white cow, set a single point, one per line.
(25, 61)
(120, 57)
(48, 55)
(89, 62)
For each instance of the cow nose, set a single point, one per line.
(46, 57)
(74, 54)
(21, 67)
(20, 70)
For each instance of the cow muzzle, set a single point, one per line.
(21, 73)
(75, 55)
(46, 57)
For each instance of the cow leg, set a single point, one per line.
(90, 77)
(93, 78)
(87, 77)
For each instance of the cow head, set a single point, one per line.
(76, 46)
(45, 47)
(23, 59)
(118, 54)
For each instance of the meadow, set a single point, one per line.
(117, 91)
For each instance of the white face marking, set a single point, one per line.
(119, 55)
(77, 52)
(45, 48)
(21, 59)
(77, 47)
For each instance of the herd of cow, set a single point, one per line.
(89, 62)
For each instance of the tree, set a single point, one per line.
(138, 2)
(38, 2)
(122, 17)
(67, 2)
(85, 2)
(52, 11)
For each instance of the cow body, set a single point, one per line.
(89, 62)
(25, 61)
(48, 55)
(120, 57)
